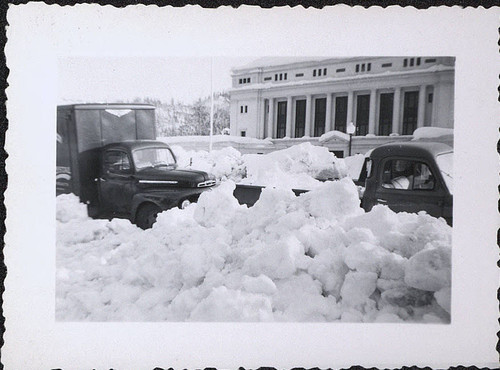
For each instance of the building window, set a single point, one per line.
(241, 81)
(281, 121)
(410, 112)
(299, 75)
(314, 73)
(281, 76)
(324, 71)
(430, 97)
(385, 65)
(412, 60)
(369, 67)
(385, 117)
(363, 67)
(357, 67)
(431, 60)
(319, 72)
(340, 113)
(248, 80)
(241, 109)
(319, 117)
(246, 108)
(340, 70)
(286, 75)
(276, 77)
(418, 61)
(405, 63)
(300, 118)
(268, 78)
(243, 133)
(362, 114)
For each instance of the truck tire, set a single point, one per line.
(146, 215)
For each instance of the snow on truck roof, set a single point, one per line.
(107, 106)
(411, 149)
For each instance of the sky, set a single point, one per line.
(101, 80)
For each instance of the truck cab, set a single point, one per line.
(410, 177)
(108, 156)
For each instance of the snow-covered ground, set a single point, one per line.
(317, 257)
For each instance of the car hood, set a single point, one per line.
(172, 177)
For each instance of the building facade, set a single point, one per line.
(380, 95)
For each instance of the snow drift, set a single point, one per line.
(296, 167)
(317, 257)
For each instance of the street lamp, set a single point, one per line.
(350, 130)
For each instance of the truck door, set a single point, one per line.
(116, 183)
(408, 185)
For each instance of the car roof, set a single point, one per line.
(410, 149)
(136, 144)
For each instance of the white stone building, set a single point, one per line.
(291, 98)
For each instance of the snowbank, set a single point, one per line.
(317, 257)
(294, 167)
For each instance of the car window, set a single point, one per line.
(406, 174)
(116, 162)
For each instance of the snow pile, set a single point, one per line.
(296, 167)
(317, 257)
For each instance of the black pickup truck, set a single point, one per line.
(407, 177)
(107, 155)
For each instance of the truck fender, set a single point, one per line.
(139, 200)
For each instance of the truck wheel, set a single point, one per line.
(184, 203)
(146, 216)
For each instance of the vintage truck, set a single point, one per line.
(409, 177)
(108, 156)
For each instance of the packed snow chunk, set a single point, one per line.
(68, 207)
(392, 266)
(223, 304)
(357, 235)
(365, 257)
(329, 268)
(333, 200)
(429, 269)
(379, 220)
(443, 298)
(277, 260)
(259, 284)
(217, 206)
(300, 298)
(358, 287)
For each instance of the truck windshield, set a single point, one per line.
(153, 157)
(445, 163)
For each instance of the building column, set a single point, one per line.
(289, 106)
(421, 106)
(373, 105)
(350, 107)
(328, 118)
(396, 109)
(270, 119)
(334, 103)
(307, 130)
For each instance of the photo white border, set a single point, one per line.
(38, 34)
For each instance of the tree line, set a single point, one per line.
(175, 118)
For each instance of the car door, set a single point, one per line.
(410, 185)
(116, 183)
